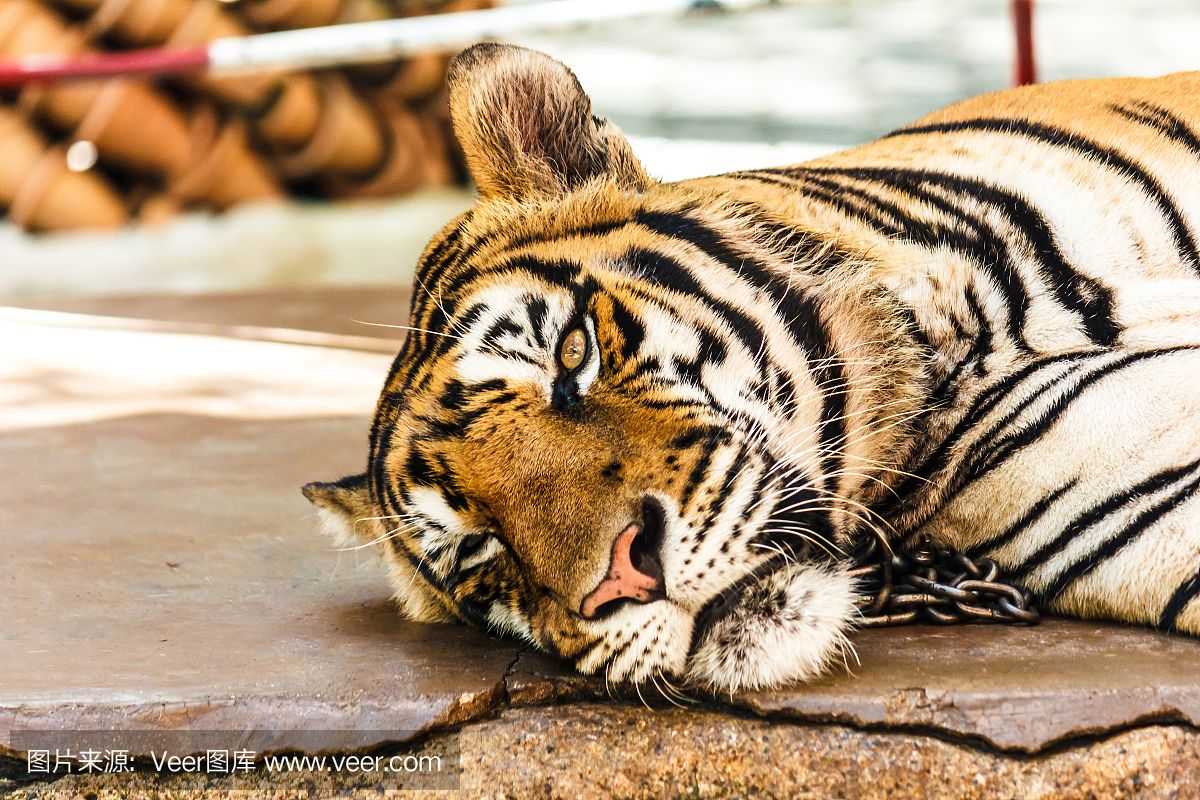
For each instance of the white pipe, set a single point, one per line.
(388, 39)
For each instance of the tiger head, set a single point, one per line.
(612, 428)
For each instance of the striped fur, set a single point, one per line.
(984, 327)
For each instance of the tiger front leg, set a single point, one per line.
(773, 628)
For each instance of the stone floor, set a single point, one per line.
(160, 571)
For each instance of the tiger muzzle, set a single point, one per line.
(635, 571)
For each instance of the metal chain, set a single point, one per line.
(935, 584)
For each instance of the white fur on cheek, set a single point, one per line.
(415, 602)
(785, 628)
(338, 527)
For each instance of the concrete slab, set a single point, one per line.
(1020, 690)
(159, 567)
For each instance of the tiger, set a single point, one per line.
(640, 425)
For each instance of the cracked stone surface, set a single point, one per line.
(161, 569)
(589, 750)
(1014, 689)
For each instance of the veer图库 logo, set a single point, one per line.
(382, 756)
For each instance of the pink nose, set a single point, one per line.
(625, 581)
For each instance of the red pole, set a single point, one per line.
(1025, 68)
(53, 67)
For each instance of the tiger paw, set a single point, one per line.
(787, 626)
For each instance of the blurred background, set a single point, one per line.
(340, 176)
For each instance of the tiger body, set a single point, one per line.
(1045, 241)
(983, 328)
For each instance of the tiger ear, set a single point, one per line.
(344, 507)
(527, 128)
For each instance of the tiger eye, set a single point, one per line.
(574, 347)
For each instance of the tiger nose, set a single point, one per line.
(634, 573)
